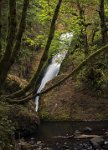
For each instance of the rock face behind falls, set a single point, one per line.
(68, 102)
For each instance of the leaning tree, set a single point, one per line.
(13, 44)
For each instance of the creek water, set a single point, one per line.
(59, 136)
(65, 128)
(53, 69)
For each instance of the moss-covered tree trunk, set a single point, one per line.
(21, 30)
(43, 62)
(0, 28)
(10, 41)
(103, 22)
(14, 41)
(83, 31)
(103, 30)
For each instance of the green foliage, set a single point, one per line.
(6, 134)
(6, 129)
(96, 79)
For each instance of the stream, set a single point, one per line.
(69, 136)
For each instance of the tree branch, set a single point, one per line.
(73, 73)
(38, 74)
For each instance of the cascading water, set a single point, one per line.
(54, 67)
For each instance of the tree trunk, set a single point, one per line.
(12, 52)
(86, 47)
(103, 30)
(83, 31)
(10, 41)
(0, 28)
(21, 30)
(43, 63)
(103, 22)
(93, 35)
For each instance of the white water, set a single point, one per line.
(54, 67)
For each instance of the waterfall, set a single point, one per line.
(54, 67)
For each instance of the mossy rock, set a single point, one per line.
(25, 118)
(6, 128)
(14, 83)
(15, 120)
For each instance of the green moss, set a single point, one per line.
(44, 115)
(13, 84)
(72, 60)
(101, 116)
(6, 128)
(59, 116)
(14, 118)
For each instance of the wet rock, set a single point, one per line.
(97, 141)
(87, 146)
(39, 142)
(40, 148)
(83, 146)
(87, 129)
(66, 143)
(58, 145)
(78, 146)
(105, 145)
(35, 146)
(106, 133)
(24, 145)
(77, 132)
(84, 136)
(32, 141)
(65, 146)
(47, 148)
(63, 137)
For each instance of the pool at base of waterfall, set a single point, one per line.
(68, 136)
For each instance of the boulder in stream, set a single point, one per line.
(97, 141)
